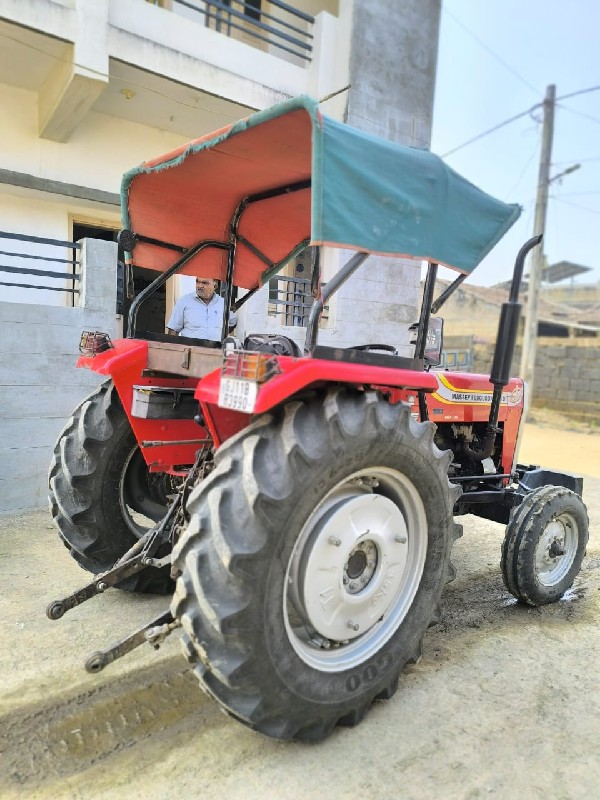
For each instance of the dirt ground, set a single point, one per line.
(504, 703)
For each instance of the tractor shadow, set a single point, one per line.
(61, 738)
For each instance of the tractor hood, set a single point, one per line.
(361, 193)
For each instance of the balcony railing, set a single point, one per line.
(283, 27)
(16, 262)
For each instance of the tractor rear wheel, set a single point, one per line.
(314, 561)
(544, 545)
(102, 497)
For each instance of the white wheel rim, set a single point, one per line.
(355, 569)
(556, 549)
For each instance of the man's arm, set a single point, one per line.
(176, 323)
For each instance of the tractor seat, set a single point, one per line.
(273, 343)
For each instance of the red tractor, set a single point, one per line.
(299, 505)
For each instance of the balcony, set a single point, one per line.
(167, 64)
(269, 25)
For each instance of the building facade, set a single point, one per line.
(95, 87)
(91, 88)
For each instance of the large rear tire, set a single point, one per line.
(314, 562)
(101, 494)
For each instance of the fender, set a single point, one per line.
(164, 443)
(297, 374)
(126, 354)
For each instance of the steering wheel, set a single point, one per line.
(368, 348)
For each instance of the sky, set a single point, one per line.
(495, 60)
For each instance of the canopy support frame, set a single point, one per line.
(231, 247)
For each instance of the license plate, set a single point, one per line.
(238, 394)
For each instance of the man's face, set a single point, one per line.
(205, 288)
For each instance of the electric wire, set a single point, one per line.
(576, 205)
(576, 160)
(492, 130)
(489, 50)
(578, 113)
(577, 194)
(522, 173)
(518, 116)
(578, 92)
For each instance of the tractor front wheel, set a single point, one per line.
(102, 497)
(314, 562)
(544, 545)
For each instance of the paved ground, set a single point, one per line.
(505, 702)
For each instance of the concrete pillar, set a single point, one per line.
(387, 52)
(98, 290)
(393, 56)
(393, 59)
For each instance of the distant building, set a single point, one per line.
(564, 312)
(567, 374)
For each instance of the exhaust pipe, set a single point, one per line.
(503, 354)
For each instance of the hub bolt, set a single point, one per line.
(354, 626)
(335, 541)
(401, 539)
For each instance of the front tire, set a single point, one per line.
(544, 545)
(101, 498)
(314, 562)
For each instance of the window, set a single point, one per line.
(252, 9)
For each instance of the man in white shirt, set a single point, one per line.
(200, 314)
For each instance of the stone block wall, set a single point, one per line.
(566, 376)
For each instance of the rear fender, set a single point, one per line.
(129, 355)
(124, 363)
(295, 376)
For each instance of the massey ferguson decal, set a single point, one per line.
(447, 393)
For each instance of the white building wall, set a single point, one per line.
(99, 152)
(155, 38)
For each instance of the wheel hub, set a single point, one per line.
(556, 549)
(351, 571)
(360, 566)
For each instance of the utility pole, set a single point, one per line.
(537, 256)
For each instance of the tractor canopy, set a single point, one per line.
(290, 176)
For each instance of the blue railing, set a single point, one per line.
(13, 261)
(283, 27)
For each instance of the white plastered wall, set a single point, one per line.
(100, 151)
